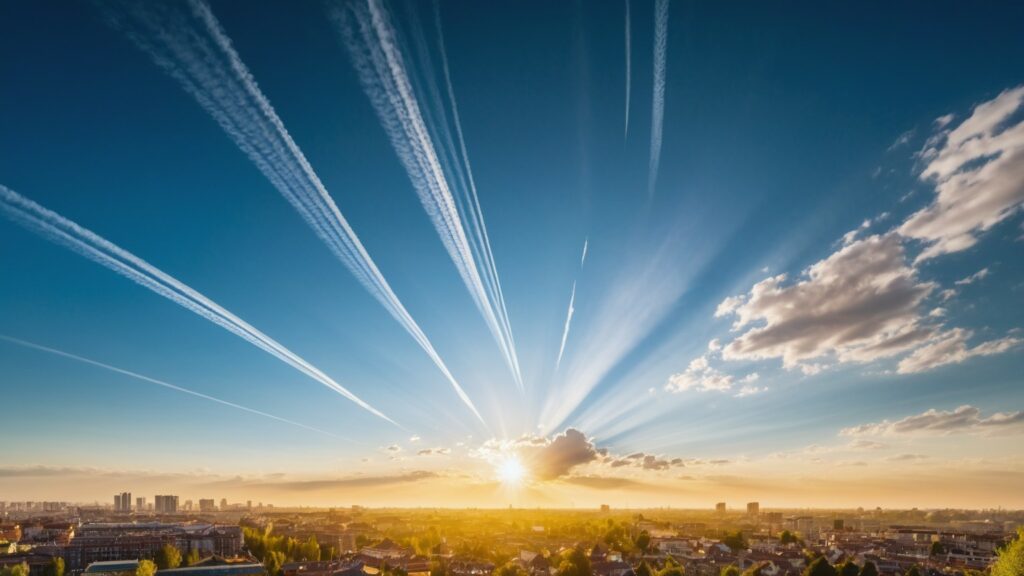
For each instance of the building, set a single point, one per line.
(123, 502)
(104, 542)
(753, 508)
(113, 568)
(223, 503)
(206, 505)
(140, 504)
(720, 507)
(230, 569)
(166, 504)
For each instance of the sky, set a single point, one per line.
(559, 254)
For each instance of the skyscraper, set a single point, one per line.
(166, 504)
(753, 508)
(140, 504)
(720, 507)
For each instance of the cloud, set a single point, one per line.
(414, 439)
(394, 449)
(434, 452)
(714, 345)
(700, 376)
(979, 275)
(965, 419)
(858, 304)
(906, 458)
(950, 347)
(862, 444)
(350, 482)
(978, 172)
(902, 140)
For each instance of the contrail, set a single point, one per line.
(377, 52)
(658, 100)
(629, 64)
(568, 322)
(187, 41)
(572, 308)
(145, 378)
(60, 230)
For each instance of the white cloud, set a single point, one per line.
(979, 275)
(978, 171)
(700, 376)
(902, 140)
(714, 345)
(859, 304)
(965, 419)
(950, 347)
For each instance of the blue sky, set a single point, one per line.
(783, 130)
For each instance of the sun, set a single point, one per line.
(510, 471)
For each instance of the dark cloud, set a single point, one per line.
(560, 455)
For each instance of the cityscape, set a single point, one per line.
(511, 288)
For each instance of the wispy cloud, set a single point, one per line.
(164, 384)
(60, 230)
(629, 71)
(187, 41)
(964, 419)
(658, 98)
(571, 310)
(441, 176)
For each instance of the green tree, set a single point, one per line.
(643, 540)
(868, 569)
(16, 570)
(55, 567)
(788, 537)
(756, 569)
(937, 549)
(193, 557)
(671, 568)
(820, 567)
(735, 541)
(913, 571)
(848, 568)
(310, 551)
(168, 557)
(272, 561)
(575, 563)
(730, 570)
(644, 569)
(146, 568)
(1011, 558)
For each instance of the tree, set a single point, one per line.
(193, 557)
(756, 569)
(643, 540)
(16, 570)
(146, 568)
(575, 563)
(937, 549)
(272, 561)
(730, 570)
(55, 567)
(644, 569)
(869, 569)
(820, 567)
(310, 550)
(913, 571)
(1011, 558)
(168, 557)
(848, 568)
(788, 537)
(735, 541)
(671, 568)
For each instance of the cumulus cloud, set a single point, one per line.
(859, 304)
(950, 347)
(551, 458)
(965, 419)
(978, 172)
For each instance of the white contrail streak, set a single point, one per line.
(378, 55)
(658, 98)
(572, 307)
(187, 41)
(60, 230)
(629, 75)
(568, 322)
(168, 385)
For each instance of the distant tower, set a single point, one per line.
(720, 507)
(140, 504)
(753, 508)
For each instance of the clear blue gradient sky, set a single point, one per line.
(784, 129)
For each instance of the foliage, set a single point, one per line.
(55, 567)
(848, 568)
(146, 568)
(735, 541)
(730, 570)
(16, 570)
(575, 562)
(193, 557)
(168, 557)
(868, 569)
(820, 567)
(756, 569)
(1011, 558)
(644, 569)
(671, 568)
(643, 540)
(272, 561)
(510, 569)
(913, 571)
(788, 537)
(937, 549)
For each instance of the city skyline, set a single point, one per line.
(534, 255)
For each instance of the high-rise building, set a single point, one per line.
(117, 502)
(206, 505)
(223, 503)
(123, 502)
(720, 507)
(140, 503)
(166, 504)
(753, 508)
